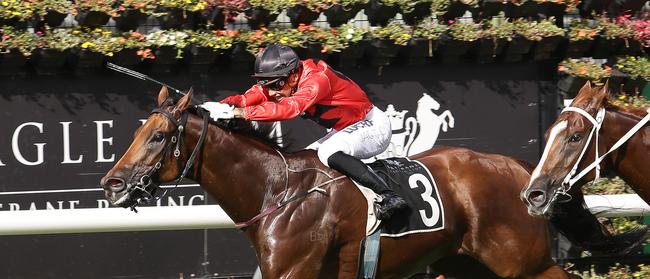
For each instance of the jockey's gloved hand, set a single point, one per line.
(219, 110)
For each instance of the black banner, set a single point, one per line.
(60, 134)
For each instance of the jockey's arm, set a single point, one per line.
(309, 92)
(253, 96)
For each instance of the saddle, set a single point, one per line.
(413, 182)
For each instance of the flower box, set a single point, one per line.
(419, 12)
(517, 49)
(454, 51)
(301, 14)
(589, 7)
(625, 6)
(200, 58)
(490, 8)
(489, 49)
(85, 59)
(12, 60)
(381, 52)
(634, 86)
(615, 81)
(14, 22)
(380, 14)
(53, 18)
(348, 57)
(313, 50)
(456, 9)
(546, 48)
(605, 48)
(213, 18)
(553, 9)
(570, 85)
(241, 60)
(126, 57)
(259, 17)
(631, 47)
(91, 19)
(418, 51)
(52, 60)
(579, 48)
(636, 71)
(176, 18)
(166, 55)
(338, 14)
(526, 9)
(129, 19)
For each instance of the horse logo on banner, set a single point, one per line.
(413, 135)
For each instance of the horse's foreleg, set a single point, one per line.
(297, 259)
(284, 266)
(348, 260)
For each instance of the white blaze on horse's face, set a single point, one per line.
(552, 139)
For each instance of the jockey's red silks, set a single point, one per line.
(323, 95)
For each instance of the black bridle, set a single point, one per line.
(146, 186)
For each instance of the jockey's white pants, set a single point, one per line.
(364, 139)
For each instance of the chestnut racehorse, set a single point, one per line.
(591, 137)
(317, 235)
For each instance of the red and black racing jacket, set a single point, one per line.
(323, 95)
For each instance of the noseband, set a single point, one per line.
(146, 183)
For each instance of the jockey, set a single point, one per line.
(288, 87)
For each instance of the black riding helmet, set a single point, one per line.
(275, 61)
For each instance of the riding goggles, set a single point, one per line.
(273, 84)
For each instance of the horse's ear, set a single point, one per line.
(603, 94)
(162, 96)
(586, 87)
(605, 88)
(184, 102)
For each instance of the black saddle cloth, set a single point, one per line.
(413, 182)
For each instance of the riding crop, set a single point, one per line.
(139, 75)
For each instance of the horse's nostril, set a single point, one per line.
(114, 184)
(537, 198)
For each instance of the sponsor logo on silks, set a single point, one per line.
(412, 135)
(356, 126)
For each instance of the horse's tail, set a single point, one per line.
(582, 228)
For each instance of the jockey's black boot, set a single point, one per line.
(357, 170)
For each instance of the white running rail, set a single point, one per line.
(206, 217)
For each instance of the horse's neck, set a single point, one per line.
(238, 172)
(632, 160)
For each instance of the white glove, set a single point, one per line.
(218, 110)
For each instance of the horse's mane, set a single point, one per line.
(245, 128)
(628, 110)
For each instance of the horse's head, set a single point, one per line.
(150, 160)
(427, 102)
(568, 142)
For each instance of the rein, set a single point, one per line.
(275, 206)
(597, 122)
(146, 180)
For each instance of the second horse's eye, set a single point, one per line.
(158, 137)
(575, 138)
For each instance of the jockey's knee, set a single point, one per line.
(326, 150)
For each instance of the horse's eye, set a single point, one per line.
(575, 138)
(158, 137)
